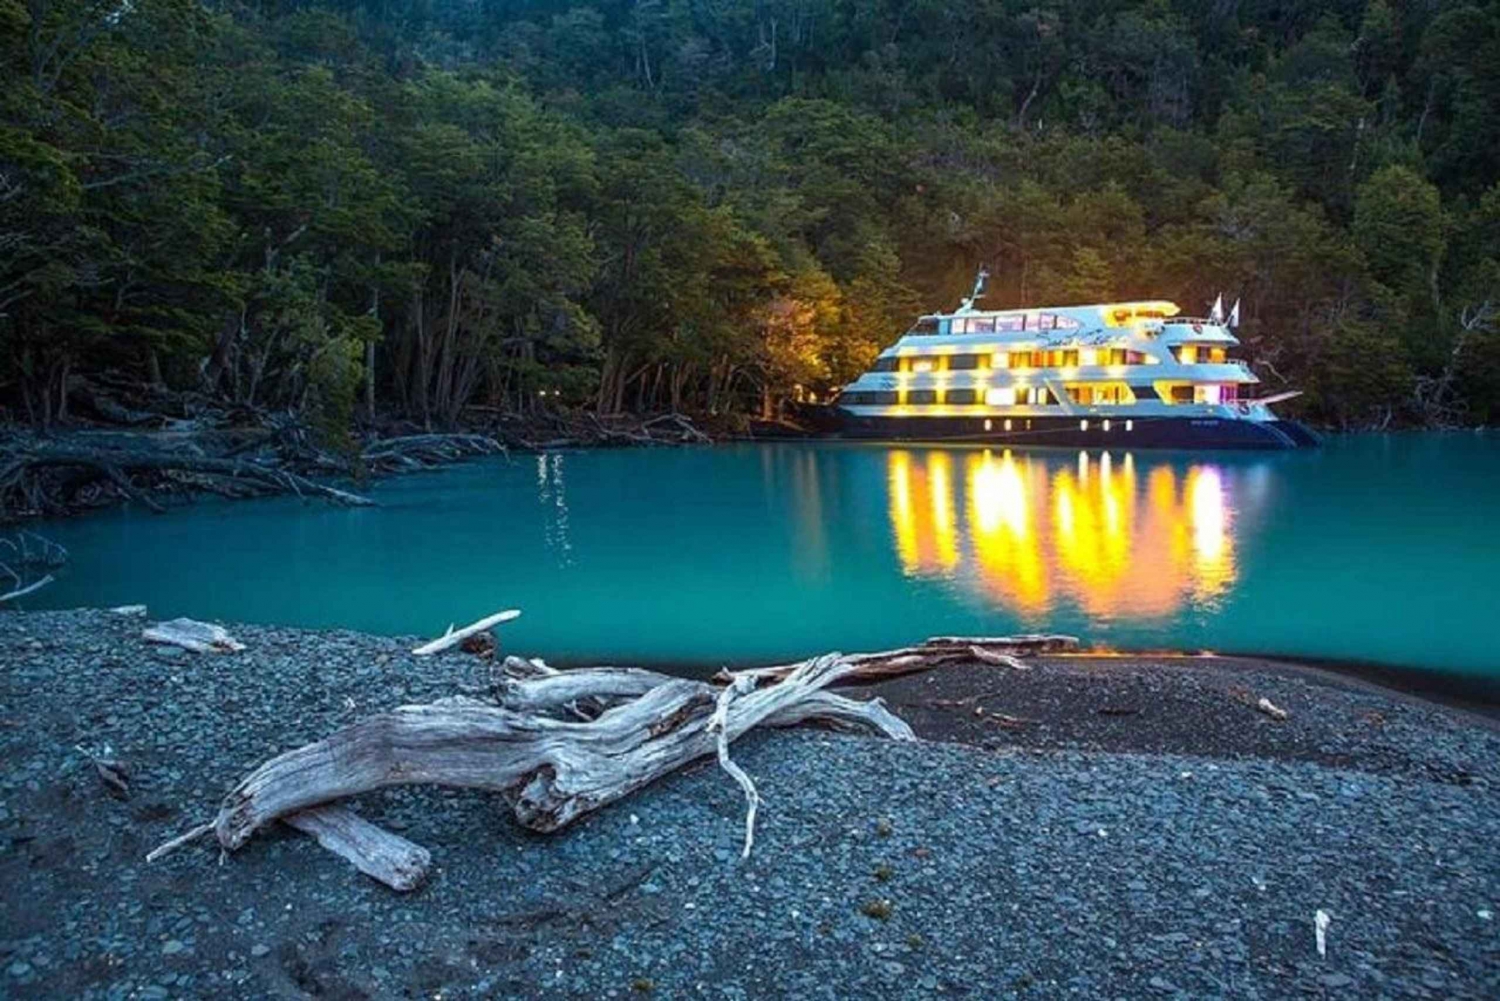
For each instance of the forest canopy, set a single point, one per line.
(420, 206)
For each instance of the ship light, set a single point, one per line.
(1007, 423)
(987, 423)
(1106, 425)
(1083, 425)
(1130, 425)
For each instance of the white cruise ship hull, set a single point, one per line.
(1200, 432)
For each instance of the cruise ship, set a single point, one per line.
(1118, 374)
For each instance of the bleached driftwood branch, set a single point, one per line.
(27, 551)
(452, 638)
(190, 634)
(22, 592)
(637, 726)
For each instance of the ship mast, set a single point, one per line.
(968, 304)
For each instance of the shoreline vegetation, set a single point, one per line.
(1188, 836)
(244, 453)
(340, 210)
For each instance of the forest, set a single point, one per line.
(351, 209)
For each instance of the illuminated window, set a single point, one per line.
(987, 423)
(1010, 323)
(1130, 425)
(924, 364)
(1106, 425)
(1000, 396)
(1088, 356)
(982, 325)
(1207, 394)
(1083, 425)
(1007, 423)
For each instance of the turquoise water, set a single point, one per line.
(1376, 548)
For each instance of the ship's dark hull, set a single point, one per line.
(1068, 432)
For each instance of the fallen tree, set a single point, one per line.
(559, 744)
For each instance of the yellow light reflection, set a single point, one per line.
(1029, 535)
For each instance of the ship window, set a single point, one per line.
(921, 397)
(963, 362)
(1023, 394)
(1000, 396)
(883, 398)
(923, 364)
(926, 325)
(962, 396)
(982, 325)
(887, 364)
(1009, 323)
(1022, 359)
(855, 398)
(1182, 394)
(1217, 355)
(1135, 358)
(1046, 321)
(1119, 356)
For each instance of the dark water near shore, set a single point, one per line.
(1375, 548)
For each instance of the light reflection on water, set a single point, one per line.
(1380, 548)
(1027, 534)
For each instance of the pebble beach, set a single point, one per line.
(1123, 827)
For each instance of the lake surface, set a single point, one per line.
(1375, 548)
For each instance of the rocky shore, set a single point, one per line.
(1116, 827)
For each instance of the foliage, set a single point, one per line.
(661, 204)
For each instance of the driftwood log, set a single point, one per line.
(192, 635)
(559, 744)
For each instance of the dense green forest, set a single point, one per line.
(418, 206)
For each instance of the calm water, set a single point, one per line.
(1384, 549)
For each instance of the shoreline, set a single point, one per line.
(1141, 803)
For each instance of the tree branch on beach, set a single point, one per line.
(558, 745)
(28, 558)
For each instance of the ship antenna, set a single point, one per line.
(978, 292)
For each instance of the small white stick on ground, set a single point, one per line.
(1271, 709)
(1321, 921)
(452, 638)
